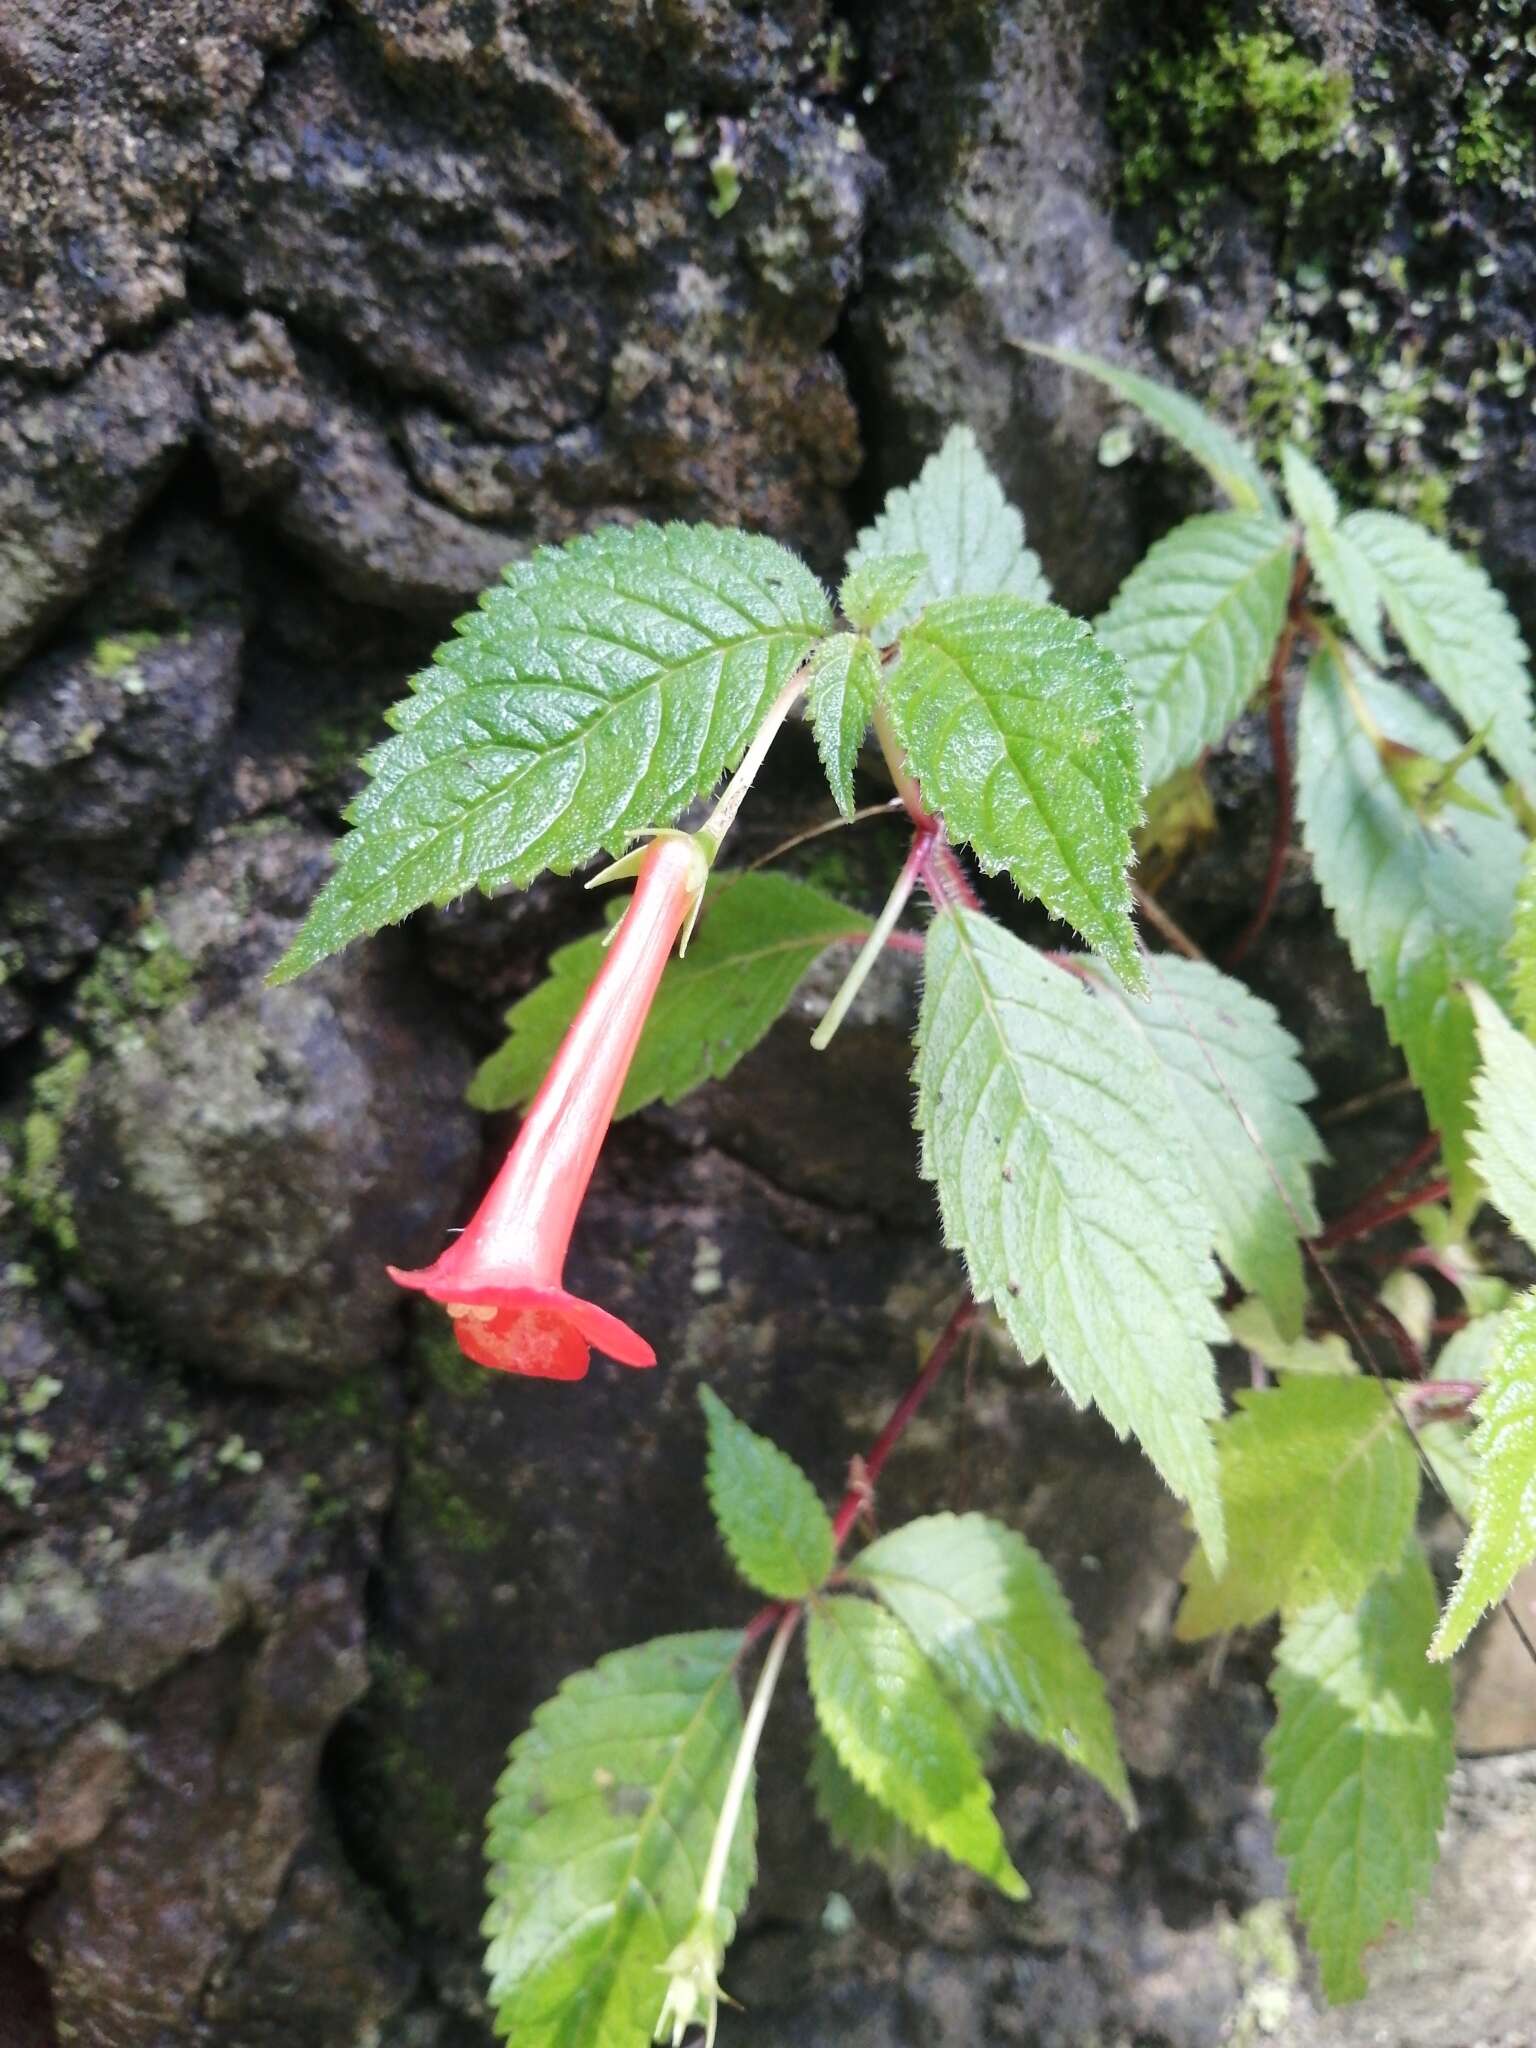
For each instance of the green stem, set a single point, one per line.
(741, 1769)
(874, 945)
(720, 820)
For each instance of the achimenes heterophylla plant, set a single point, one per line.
(1106, 1130)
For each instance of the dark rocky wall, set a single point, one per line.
(312, 313)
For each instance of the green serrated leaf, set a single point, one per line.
(1237, 1081)
(1359, 1760)
(1422, 908)
(1502, 1537)
(856, 1822)
(1459, 630)
(777, 1531)
(1229, 462)
(1319, 1482)
(1522, 946)
(986, 1610)
(877, 588)
(1051, 1134)
(1017, 724)
(885, 1715)
(843, 689)
(603, 687)
(957, 519)
(757, 938)
(1348, 581)
(1504, 1096)
(598, 1838)
(1196, 624)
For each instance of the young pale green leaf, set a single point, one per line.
(1018, 726)
(841, 694)
(878, 586)
(1504, 1095)
(857, 1823)
(600, 1831)
(1052, 1136)
(769, 1517)
(1451, 1449)
(1196, 624)
(1237, 1081)
(1502, 1538)
(986, 1610)
(1319, 1482)
(1229, 462)
(957, 519)
(758, 936)
(1348, 581)
(1522, 945)
(1250, 1324)
(1458, 629)
(1422, 907)
(1359, 1761)
(602, 688)
(885, 1715)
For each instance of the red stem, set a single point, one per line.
(1280, 752)
(1425, 1392)
(861, 1489)
(1366, 1204)
(1361, 1223)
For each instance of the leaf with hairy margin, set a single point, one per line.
(1504, 1098)
(757, 938)
(1017, 725)
(1422, 908)
(769, 1516)
(1348, 581)
(1359, 1761)
(1458, 629)
(857, 1823)
(598, 1839)
(882, 1709)
(988, 1613)
(841, 695)
(1502, 1538)
(1051, 1134)
(602, 687)
(1522, 945)
(877, 587)
(1319, 1483)
(957, 519)
(1229, 462)
(1196, 623)
(1237, 1079)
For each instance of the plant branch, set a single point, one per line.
(943, 877)
(1367, 1204)
(861, 1489)
(1280, 752)
(723, 816)
(746, 1752)
(1163, 924)
(880, 935)
(1361, 1222)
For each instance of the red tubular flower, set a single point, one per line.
(502, 1281)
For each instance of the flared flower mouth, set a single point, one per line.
(540, 1332)
(502, 1280)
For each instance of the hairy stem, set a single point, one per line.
(723, 816)
(943, 877)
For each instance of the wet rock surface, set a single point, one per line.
(311, 317)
